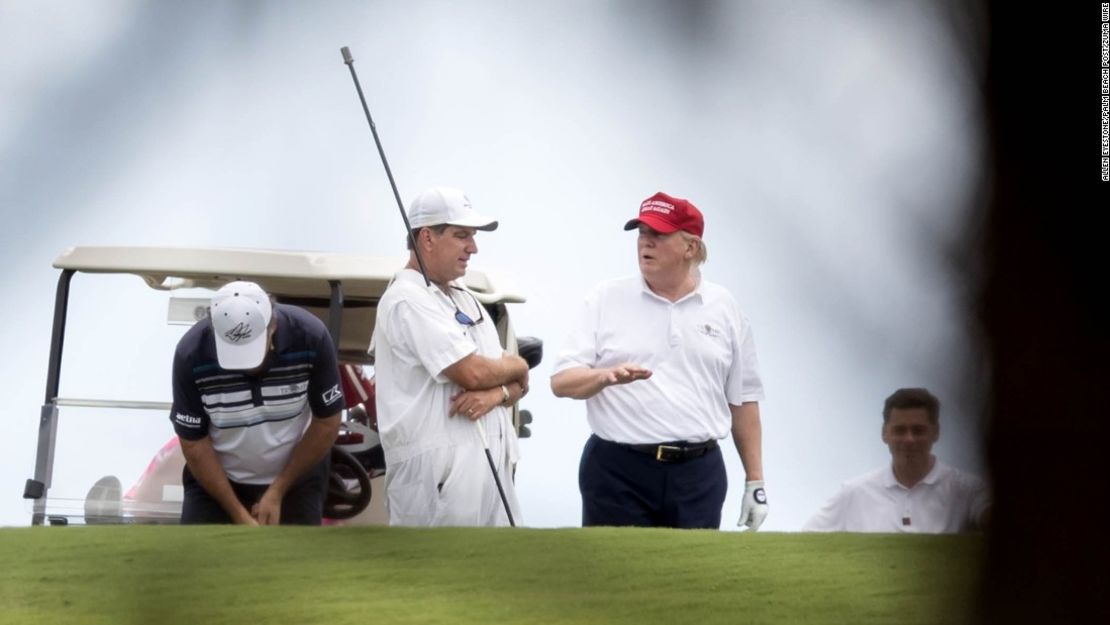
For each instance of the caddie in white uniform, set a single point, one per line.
(439, 367)
(915, 493)
(667, 365)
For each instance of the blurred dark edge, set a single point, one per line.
(1042, 255)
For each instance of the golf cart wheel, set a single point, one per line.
(348, 486)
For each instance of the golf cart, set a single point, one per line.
(341, 289)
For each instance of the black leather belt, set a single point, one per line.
(680, 451)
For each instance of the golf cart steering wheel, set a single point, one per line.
(348, 486)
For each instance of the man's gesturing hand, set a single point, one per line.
(623, 374)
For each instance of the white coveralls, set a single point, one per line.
(437, 473)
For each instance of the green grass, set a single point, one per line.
(368, 575)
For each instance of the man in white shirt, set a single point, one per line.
(916, 493)
(666, 363)
(439, 367)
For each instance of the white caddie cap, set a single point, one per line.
(441, 205)
(240, 313)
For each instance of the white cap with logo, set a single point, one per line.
(241, 313)
(441, 205)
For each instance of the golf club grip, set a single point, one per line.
(493, 469)
(500, 489)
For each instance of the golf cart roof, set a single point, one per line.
(284, 274)
(305, 279)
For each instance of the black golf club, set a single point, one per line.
(350, 61)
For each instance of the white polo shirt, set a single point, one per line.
(416, 337)
(947, 501)
(700, 351)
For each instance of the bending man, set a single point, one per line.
(256, 404)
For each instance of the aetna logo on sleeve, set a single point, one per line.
(332, 394)
(186, 420)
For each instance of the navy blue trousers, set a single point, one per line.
(624, 487)
(303, 504)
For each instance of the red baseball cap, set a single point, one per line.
(666, 214)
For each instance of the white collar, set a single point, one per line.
(931, 478)
(646, 288)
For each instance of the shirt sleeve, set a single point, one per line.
(743, 383)
(325, 391)
(980, 500)
(435, 339)
(190, 420)
(830, 517)
(580, 345)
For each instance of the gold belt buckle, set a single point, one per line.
(659, 451)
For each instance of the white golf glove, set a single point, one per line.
(754, 509)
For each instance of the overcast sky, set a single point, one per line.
(834, 149)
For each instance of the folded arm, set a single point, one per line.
(475, 372)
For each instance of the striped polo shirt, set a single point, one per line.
(255, 421)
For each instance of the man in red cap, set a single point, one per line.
(667, 365)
